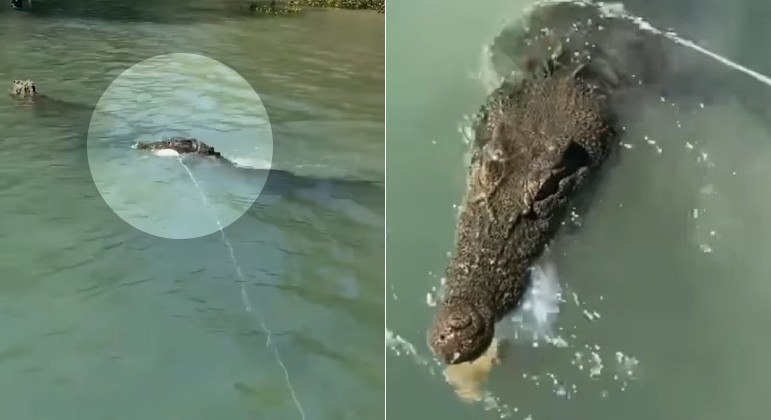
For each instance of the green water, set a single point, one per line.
(101, 320)
(672, 254)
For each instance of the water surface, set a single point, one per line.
(102, 320)
(664, 278)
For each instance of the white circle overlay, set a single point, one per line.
(163, 193)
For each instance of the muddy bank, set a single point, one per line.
(273, 7)
(378, 5)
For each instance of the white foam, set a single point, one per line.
(166, 152)
(250, 163)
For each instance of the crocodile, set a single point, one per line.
(180, 145)
(21, 89)
(540, 141)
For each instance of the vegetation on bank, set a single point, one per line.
(275, 7)
(378, 5)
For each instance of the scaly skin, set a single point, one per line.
(21, 89)
(182, 146)
(538, 141)
(536, 145)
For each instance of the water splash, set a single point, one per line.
(244, 294)
(464, 378)
(400, 347)
(486, 74)
(540, 305)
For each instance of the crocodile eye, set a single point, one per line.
(458, 322)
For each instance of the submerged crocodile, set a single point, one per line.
(538, 141)
(278, 182)
(25, 93)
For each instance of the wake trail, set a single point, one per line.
(244, 294)
(616, 10)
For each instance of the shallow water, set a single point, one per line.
(102, 320)
(664, 278)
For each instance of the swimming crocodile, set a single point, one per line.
(25, 93)
(23, 89)
(181, 145)
(539, 140)
(278, 182)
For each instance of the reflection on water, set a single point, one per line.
(663, 278)
(104, 321)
